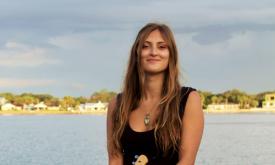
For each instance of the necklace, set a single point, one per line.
(147, 119)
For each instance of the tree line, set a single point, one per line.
(233, 96)
(65, 102)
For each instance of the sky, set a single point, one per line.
(78, 47)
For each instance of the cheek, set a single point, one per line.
(142, 57)
(166, 56)
(144, 53)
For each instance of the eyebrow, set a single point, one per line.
(161, 42)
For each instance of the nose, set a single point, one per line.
(154, 51)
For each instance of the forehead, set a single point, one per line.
(155, 36)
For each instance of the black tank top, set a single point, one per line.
(139, 148)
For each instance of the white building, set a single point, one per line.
(223, 107)
(28, 107)
(99, 106)
(269, 101)
(2, 100)
(8, 106)
(40, 106)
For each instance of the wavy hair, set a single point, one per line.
(167, 130)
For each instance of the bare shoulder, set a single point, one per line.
(194, 97)
(193, 104)
(192, 129)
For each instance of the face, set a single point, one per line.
(154, 53)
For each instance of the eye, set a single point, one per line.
(144, 46)
(162, 46)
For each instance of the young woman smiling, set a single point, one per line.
(154, 120)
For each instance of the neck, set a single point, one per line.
(153, 86)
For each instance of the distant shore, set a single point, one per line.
(56, 112)
(252, 110)
(50, 112)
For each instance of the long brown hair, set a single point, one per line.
(167, 131)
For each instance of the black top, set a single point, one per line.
(140, 147)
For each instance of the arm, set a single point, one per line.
(113, 159)
(192, 130)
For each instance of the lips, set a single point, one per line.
(152, 60)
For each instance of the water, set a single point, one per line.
(236, 139)
(52, 140)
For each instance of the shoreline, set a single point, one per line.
(12, 112)
(232, 111)
(54, 112)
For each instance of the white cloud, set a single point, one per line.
(15, 45)
(78, 86)
(19, 83)
(86, 40)
(21, 55)
(70, 41)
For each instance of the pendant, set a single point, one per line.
(147, 119)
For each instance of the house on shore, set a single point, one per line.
(93, 107)
(269, 101)
(10, 106)
(7, 106)
(39, 106)
(28, 107)
(223, 107)
(2, 100)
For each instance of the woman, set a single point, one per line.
(154, 120)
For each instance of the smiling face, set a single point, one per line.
(154, 53)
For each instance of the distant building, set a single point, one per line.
(99, 106)
(28, 107)
(40, 106)
(8, 106)
(2, 100)
(223, 107)
(269, 101)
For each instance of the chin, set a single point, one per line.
(154, 71)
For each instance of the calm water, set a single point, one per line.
(237, 139)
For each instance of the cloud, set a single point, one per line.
(20, 83)
(241, 44)
(245, 61)
(83, 16)
(78, 86)
(216, 33)
(71, 41)
(15, 45)
(92, 40)
(21, 55)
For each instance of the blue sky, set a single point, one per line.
(75, 48)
